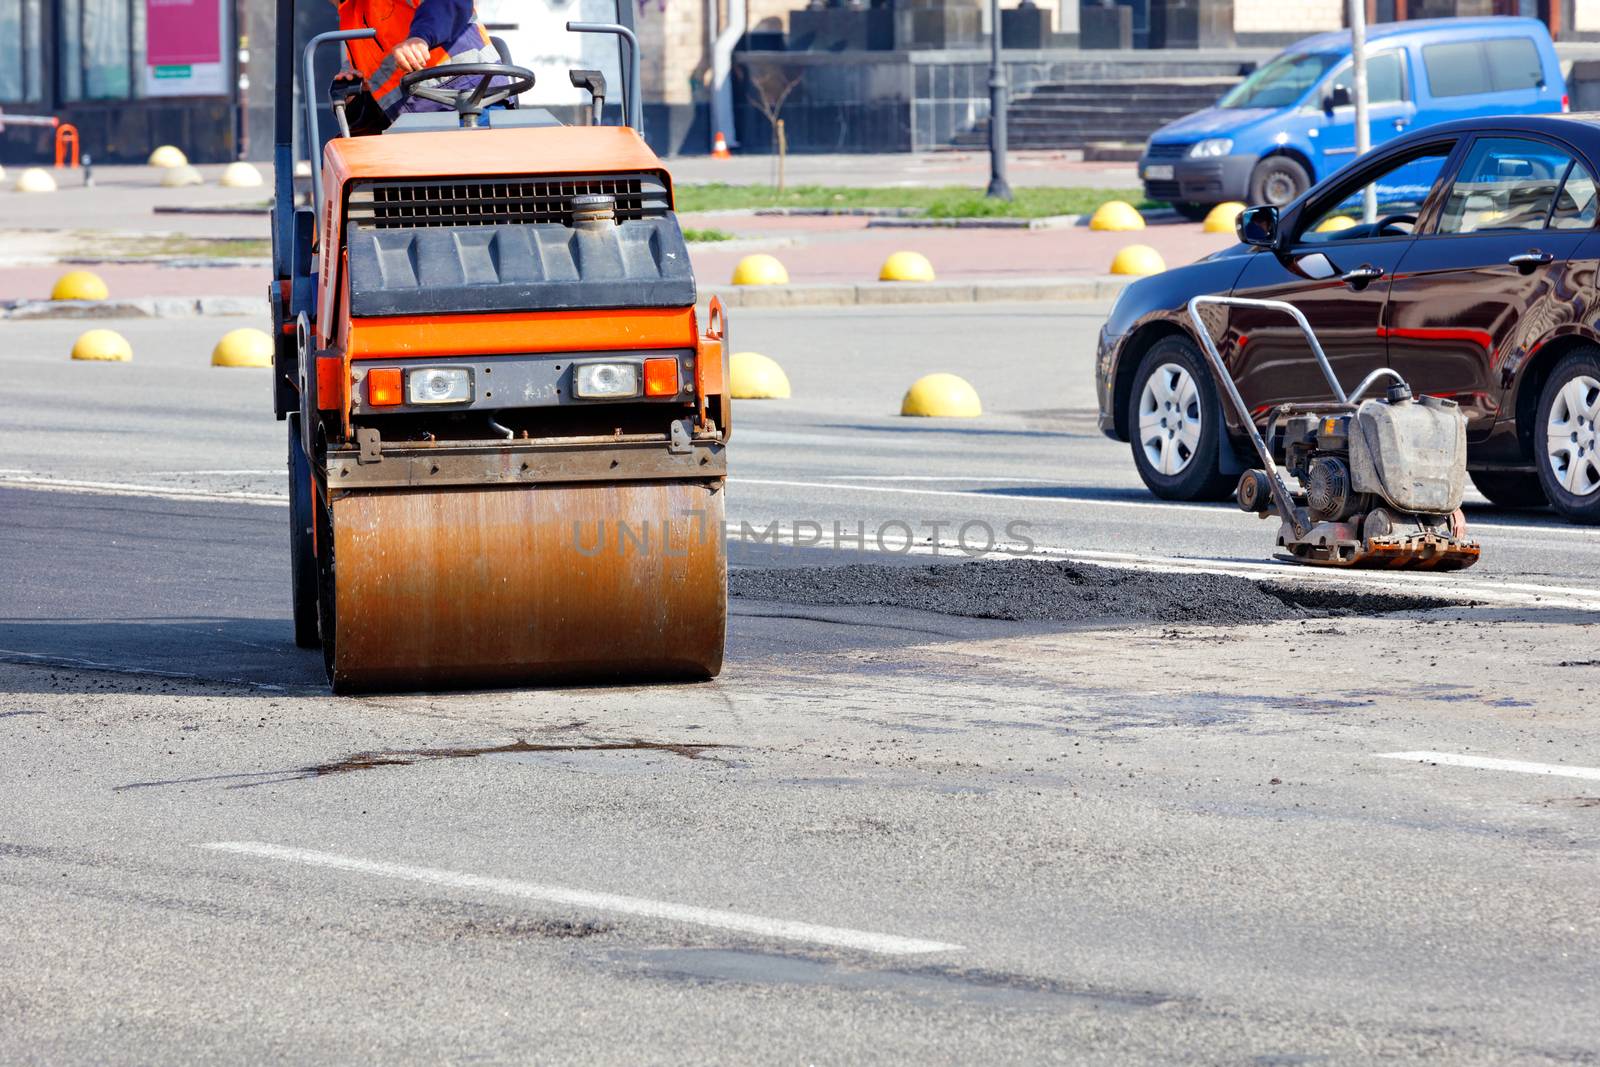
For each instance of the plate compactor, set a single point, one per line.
(507, 426)
(1380, 480)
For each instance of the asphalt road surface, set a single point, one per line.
(881, 834)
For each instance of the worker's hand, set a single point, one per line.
(411, 54)
(348, 74)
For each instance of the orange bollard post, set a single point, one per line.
(66, 138)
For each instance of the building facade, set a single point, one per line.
(131, 74)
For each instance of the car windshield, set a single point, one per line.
(1282, 82)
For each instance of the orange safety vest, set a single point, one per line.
(392, 20)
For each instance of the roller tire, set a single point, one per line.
(1583, 509)
(1202, 478)
(1511, 489)
(302, 547)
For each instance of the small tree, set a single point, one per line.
(769, 91)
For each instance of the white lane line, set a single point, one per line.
(1077, 501)
(1486, 763)
(866, 941)
(160, 492)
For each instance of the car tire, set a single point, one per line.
(1277, 180)
(1566, 436)
(1173, 423)
(1510, 489)
(1192, 211)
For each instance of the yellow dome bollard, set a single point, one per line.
(906, 267)
(102, 346)
(1138, 259)
(755, 377)
(1116, 216)
(941, 396)
(244, 347)
(1221, 218)
(1336, 223)
(178, 177)
(240, 175)
(760, 269)
(168, 156)
(35, 180)
(79, 285)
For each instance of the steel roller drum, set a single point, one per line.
(499, 585)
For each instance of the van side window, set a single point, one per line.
(1462, 68)
(1506, 183)
(1513, 64)
(1386, 80)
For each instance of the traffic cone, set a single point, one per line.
(719, 150)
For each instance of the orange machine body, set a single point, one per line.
(583, 150)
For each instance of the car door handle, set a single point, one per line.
(1362, 276)
(1526, 261)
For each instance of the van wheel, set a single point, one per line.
(1173, 423)
(1278, 180)
(1510, 489)
(1190, 210)
(1566, 436)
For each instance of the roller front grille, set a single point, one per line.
(411, 204)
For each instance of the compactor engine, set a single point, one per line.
(507, 419)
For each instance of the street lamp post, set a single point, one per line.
(999, 188)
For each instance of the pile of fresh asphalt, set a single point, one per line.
(1041, 590)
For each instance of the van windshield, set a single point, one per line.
(1282, 82)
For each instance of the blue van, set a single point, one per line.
(1292, 122)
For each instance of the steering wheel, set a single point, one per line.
(1396, 221)
(468, 103)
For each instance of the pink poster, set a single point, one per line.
(183, 32)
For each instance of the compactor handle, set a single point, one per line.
(308, 94)
(632, 106)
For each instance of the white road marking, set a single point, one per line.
(160, 492)
(1486, 763)
(1080, 501)
(866, 941)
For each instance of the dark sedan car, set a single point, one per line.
(1476, 281)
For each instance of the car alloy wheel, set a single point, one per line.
(1169, 419)
(1572, 436)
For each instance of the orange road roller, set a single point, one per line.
(507, 420)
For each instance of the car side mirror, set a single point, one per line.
(1338, 96)
(1258, 226)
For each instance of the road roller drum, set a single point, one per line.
(513, 585)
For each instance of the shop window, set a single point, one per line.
(21, 57)
(102, 48)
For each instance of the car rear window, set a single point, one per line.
(1461, 68)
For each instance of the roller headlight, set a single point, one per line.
(1210, 148)
(605, 381)
(439, 385)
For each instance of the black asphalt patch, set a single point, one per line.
(1038, 590)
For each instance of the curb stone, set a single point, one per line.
(866, 294)
(157, 307)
